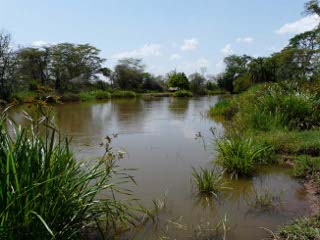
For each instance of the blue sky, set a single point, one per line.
(168, 34)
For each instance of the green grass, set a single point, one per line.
(45, 193)
(264, 200)
(182, 94)
(301, 229)
(305, 166)
(94, 95)
(223, 108)
(239, 156)
(123, 94)
(209, 181)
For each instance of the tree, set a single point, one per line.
(262, 70)
(8, 61)
(72, 63)
(236, 66)
(128, 74)
(312, 7)
(152, 83)
(178, 80)
(34, 64)
(197, 83)
(242, 83)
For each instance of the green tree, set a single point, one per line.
(236, 66)
(8, 61)
(128, 74)
(178, 80)
(73, 63)
(197, 83)
(262, 70)
(34, 64)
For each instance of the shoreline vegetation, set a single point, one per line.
(270, 117)
(275, 123)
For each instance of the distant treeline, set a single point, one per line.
(76, 68)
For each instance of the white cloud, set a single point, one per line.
(39, 43)
(175, 57)
(191, 67)
(220, 66)
(190, 44)
(304, 24)
(227, 50)
(146, 51)
(245, 40)
(202, 63)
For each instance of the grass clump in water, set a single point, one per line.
(45, 193)
(264, 200)
(95, 95)
(209, 181)
(182, 94)
(223, 108)
(123, 94)
(239, 156)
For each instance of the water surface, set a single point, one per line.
(159, 136)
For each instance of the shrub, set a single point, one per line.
(208, 181)
(45, 193)
(302, 229)
(101, 95)
(182, 94)
(86, 96)
(70, 97)
(123, 94)
(239, 156)
(223, 108)
(242, 83)
(306, 166)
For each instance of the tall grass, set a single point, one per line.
(123, 94)
(182, 94)
(45, 193)
(209, 181)
(238, 156)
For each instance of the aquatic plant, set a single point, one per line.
(123, 94)
(45, 193)
(209, 181)
(182, 94)
(223, 108)
(264, 200)
(238, 156)
(206, 230)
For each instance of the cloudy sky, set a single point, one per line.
(186, 35)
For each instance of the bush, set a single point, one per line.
(101, 95)
(285, 105)
(24, 97)
(302, 229)
(239, 156)
(95, 95)
(242, 83)
(223, 108)
(45, 193)
(70, 97)
(123, 94)
(305, 166)
(209, 182)
(182, 94)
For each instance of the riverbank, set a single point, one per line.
(282, 120)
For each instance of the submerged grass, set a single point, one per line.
(209, 181)
(45, 193)
(264, 200)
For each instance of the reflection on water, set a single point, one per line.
(159, 135)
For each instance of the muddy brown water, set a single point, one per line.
(159, 136)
